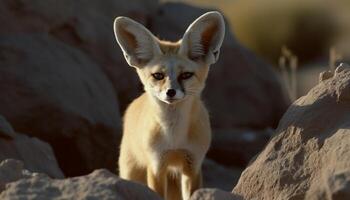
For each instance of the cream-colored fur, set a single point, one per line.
(166, 136)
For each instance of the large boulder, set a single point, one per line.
(309, 157)
(100, 184)
(36, 155)
(90, 28)
(87, 25)
(242, 91)
(56, 93)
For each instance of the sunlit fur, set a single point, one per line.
(165, 141)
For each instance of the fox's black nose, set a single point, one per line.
(171, 93)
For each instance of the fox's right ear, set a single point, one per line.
(139, 45)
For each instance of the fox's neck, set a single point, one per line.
(177, 116)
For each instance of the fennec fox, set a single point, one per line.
(167, 130)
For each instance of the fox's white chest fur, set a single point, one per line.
(174, 135)
(174, 126)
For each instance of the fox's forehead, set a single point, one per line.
(168, 47)
(174, 64)
(170, 61)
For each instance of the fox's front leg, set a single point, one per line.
(157, 181)
(190, 182)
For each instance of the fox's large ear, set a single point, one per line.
(139, 45)
(203, 38)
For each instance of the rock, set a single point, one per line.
(239, 145)
(100, 184)
(11, 170)
(215, 175)
(91, 30)
(36, 155)
(214, 194)
(56, 93)
(309, 157)
(167, 24)
(87, 25)
(6, 130)
(45, 16)
(325, 75)
(241, 91)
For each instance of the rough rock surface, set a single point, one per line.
(240, 145)
(36, 155)
(309, 157)
(11, 170)
(100, 184)
(56, 93)
(240, 86)
(214, 194)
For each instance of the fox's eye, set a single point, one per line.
(158, 75)
(186, 75)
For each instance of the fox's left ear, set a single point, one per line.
(203, 38)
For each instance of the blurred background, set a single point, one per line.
(64, 84)
(315, 31)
